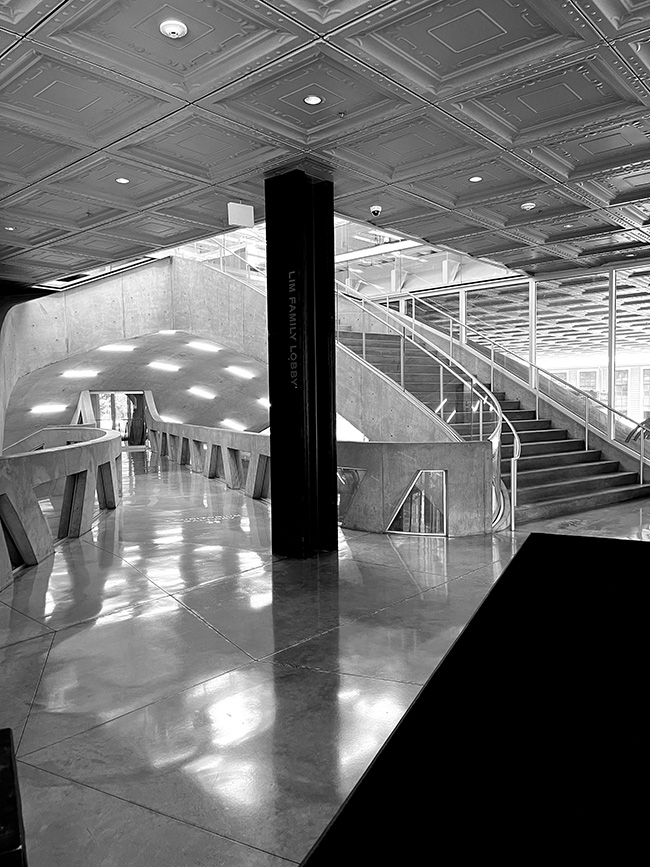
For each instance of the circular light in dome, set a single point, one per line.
(10, 228)
(528, 206)
(173, 29)
(312, 99)
(568, 225)
(122, 181)
(475, 179)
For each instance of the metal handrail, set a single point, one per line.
(567, 386)
(399, 326)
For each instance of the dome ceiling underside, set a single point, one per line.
(547, 103)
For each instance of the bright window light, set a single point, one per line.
(205, 347)
(117, 347)
(49, 407)
(79, 374)
(201, 392)
(266, 403)
(162, 365)
(232, 424)
(239, 371)
(170, 419)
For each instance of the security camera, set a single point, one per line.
(375, 210)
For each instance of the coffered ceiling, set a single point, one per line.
(547, 101)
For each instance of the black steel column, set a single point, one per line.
(301, 352)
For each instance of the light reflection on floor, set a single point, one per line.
(182, 697)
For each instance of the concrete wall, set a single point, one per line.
(392, 467)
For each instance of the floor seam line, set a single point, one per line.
(36, 688)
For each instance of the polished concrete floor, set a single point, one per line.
(181, 697)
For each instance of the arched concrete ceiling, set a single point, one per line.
(546, 102)
(235, 398)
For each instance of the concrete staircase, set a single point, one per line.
(556, 475)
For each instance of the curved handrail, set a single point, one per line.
(399, 326)
(635, 434)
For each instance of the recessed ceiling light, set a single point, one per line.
(202, 392)
(122, 181)
(10, 228)
(475, 179)
(173, 28)
(162, 365)
(312, 99)
(231, 423)
(49, 407)
(167, 331)
(266, 403)
(116, 347)
(568, 225)
(206, 347)
(239, 371)
(528, 206)
(78, 374)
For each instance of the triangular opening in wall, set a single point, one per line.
(348, 480)
(15, 557)
(423, 509)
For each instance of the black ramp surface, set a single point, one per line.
(528, 743)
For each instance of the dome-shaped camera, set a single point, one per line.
(375, 210)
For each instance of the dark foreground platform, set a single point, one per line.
(525, 745)
(12, 834)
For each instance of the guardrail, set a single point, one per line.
(67, 464)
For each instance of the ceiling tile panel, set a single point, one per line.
(615, 18)
(326, 15)
(156, 230)
(224, 40)
(407, 149)
(100, 246)
(62, 209)
(20, 16)
(26, 233)
(196, 143)
(623, 187)
(352, 98)
(61, 261)
(397, 206)
(57, 95)
(440, 227)
(208, 208)
(97, 178)
(578, 97)
(452, 46)
(25, 158)
(7, 40)
(549, 204)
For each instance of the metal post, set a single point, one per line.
(402, 341)
(442, 396)
(480, 420)
(611, 355)
(642, 461)
(363, 328)
(451, 338)
(462, 314)
(586, 422)
(513, 491)
(532, 334)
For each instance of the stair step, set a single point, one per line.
(528, 424)
(520, 414)
(562, 490)
(535, 436)
(508, 405)
(557, 459)
(550, 475)
(579, 503)
(545, 448)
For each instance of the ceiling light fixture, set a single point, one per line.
(239, 371)
(116, 347)
(122, 181)
(162, 365)
(49, 407)
(528, 206)
(312, 99)
(206, 347)
(475, 179)
(232, 424)
(10, 228)
(201, 392)
(79, 374)
(173, 29)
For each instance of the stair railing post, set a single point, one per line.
(402, 341)
(513, 489)
(363, 328)
(641, 456)
(451, 338)
(480, 420)
(492, 367)
(586, 422)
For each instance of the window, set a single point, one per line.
(620, 390)
(645, 396)
(562, 374)
(588, 381)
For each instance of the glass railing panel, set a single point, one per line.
(500, 314)
(632, 359)
(348, 480)
(423, 509)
